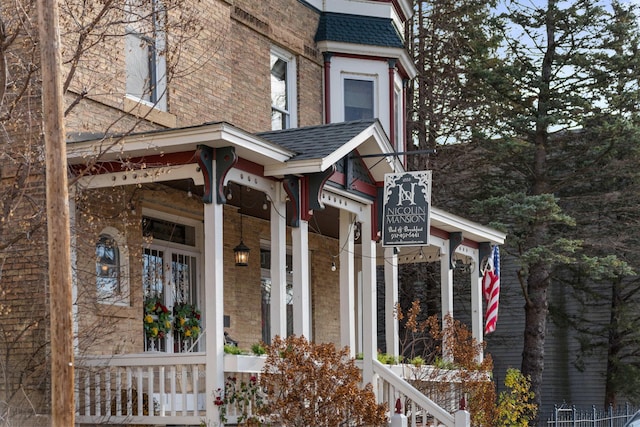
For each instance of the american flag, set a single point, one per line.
(491, 289)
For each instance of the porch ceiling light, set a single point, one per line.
(241, 254)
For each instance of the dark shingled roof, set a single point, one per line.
(358, 29)
(316, 142)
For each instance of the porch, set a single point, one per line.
(286, 196)
(161, 389)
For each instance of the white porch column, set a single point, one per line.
(446, 289)
(369, 312)
(446, 281)
(213, 305)
(278, 266)
(476, 302)
(390, 301)
(301, 292)
(347, 283)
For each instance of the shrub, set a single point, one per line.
(311, 384)
(515, 405)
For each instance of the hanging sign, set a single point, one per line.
(405, 209)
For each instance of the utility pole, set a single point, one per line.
(59, 244)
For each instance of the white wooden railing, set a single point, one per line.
(141, 389)
(161, 388)
(421, 410)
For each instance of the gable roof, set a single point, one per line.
(358, 29)
(317, 148)
(316, 141)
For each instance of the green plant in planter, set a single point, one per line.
(258, 349)
(389, 359)
(232, 349)
(417, 361)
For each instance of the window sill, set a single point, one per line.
(147, 112)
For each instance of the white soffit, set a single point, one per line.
(470, 230)
(214, 135)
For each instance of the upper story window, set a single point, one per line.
(283, 90)
(111, 267)
(145, 46)
(358, 99)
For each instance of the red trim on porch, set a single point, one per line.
(358, 185)
(250, 167)
(306, 212)
(138, 163)
(439, 233)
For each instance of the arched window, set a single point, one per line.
(111, 267)
(107, 266)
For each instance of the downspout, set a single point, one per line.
(392, 111)
(327, 86)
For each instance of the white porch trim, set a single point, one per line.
(301, 285)
(369, 300)
(278, 266)
(347, 283)
(213, 304)
(391, 300)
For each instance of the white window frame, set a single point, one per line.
(122, 297)
(168, 249)
(158, 74)
(398, 118)
(361, 77)
(291, 83)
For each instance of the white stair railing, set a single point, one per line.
(421, 411)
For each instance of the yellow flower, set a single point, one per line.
(148, 318)
(154, 331)
(182, 321)
(167, 324)
(187, 333)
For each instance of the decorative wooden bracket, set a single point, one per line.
(316, 184)
(455, 239)
(484, 251)
(204, 156)
(291, 185)
(225, 158)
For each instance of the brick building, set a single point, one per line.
(194, 127)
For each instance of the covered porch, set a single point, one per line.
(316, 183)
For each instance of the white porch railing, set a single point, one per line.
(422, 410)
(151, 388)
(161, 388)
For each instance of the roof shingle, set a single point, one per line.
(357, 29)
(316, 142)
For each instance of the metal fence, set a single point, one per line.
(569, 416)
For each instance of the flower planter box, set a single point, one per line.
(243, 363)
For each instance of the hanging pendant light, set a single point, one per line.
(241, 252)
